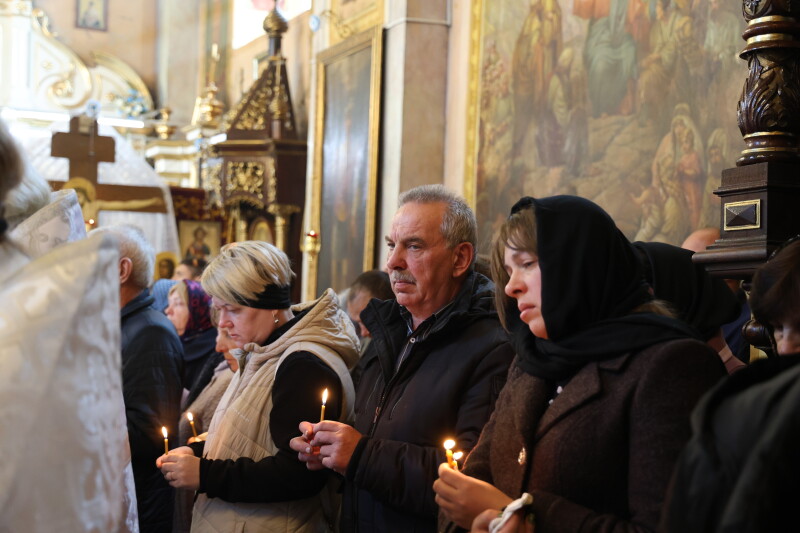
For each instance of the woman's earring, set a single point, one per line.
(275, 316)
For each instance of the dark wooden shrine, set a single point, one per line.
(263, 172)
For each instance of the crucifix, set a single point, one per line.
(85, 149)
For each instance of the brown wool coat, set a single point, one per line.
(600, 457)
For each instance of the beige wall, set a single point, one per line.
(131, 34)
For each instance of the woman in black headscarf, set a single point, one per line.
(596, 407)
(704, 302)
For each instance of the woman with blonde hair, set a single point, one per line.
(245, 474)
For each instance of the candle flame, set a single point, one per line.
(164, 431)
(457, 456)
(449, 443)
(189, 416)
(324, 396)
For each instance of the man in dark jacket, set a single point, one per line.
(151, 382)
(435, 366)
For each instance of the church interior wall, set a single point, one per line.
(131, 33)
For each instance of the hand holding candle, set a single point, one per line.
(448, 451)
(166, 441)
(191, 421)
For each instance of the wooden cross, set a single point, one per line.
(85, 149)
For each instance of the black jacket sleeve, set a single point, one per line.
(296, 397)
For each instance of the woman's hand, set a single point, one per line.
(302, 445)
(181, 470)
(181, 450)
(515, 524)
(461, 498)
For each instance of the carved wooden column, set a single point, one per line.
(761, 195)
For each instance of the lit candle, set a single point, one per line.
(324, 400)
(456, 458)
(448, 451)
(191, 421)
(166, 442)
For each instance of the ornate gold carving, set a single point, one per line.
(163, 129)
(245, 177)
(272, 181)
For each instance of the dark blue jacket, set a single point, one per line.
(445, 388)
(151, 387)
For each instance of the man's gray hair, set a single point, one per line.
(458, 223)
(135, 246)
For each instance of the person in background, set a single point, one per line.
(152, 365)
(202, 409)
(739, 472)
(437, 361)
(368, 285)
(160, 291)
(190, 312)
(189, 269)
(245, 474)
(700, 300)
(732, 331)
(596, 408)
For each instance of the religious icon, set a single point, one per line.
(165, 265)
(199, 239)
(198, 249)
(92, 15)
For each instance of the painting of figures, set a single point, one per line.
(630, 103)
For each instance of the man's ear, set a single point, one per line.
(462, 258)
(125, 269)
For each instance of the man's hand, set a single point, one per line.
(462, 498)
(336, 442)
(305, 451)
(181, 470)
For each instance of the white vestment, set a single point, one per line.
(64, 454)
(58, 222)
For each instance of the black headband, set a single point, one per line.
(272, 297)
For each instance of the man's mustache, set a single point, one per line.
(404, 277)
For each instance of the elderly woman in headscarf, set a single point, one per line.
(189, 311)
(596, 407)
(245, 474)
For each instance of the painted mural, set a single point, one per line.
(630, 103)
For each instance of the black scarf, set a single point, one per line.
(592, 280)
(703, 302)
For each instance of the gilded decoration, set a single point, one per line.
(245, 177)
